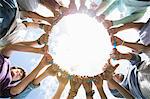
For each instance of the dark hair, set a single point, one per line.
(24, 73)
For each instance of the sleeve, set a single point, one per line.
(116, 93)
(111, 7)
(27, 91)
(135, 60)
(129, 18)
(6, 93)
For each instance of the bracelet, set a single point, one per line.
(38, 41)
(91, 93)
(123, 42)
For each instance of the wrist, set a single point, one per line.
(38, 41)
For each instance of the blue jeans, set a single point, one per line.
(23, 94)
(7, 15)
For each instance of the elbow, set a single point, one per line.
(15, 91)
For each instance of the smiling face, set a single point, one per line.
(17, 74)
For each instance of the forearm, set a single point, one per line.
(13, 47)
(25, 82)
(103, 5)
(111, 8)
(102, 93)
(128, 19)
(130, 25)
(31, 14)
(121, 89)
(135, 46)
(126, 56)
(37, 80)
(59, 91)
(28, 43)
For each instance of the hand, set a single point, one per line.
(43, 39)
(75, 84)
(83, 9)
(116, 40)
(46, 59)
(112, 31)
(52, 70)
(116, 55)
(91, 12)
(63, 78)
(98, 81)
(64, 11)
(100, 18)
(108, 70)
(107, 24)
(47, 28)
(44, 49)
(87, 84)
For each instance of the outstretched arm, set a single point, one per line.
(130, 18)
(135, 46)
(25, 82)
(43, 39)
(98, 81)
(103, 5)
(35, 15)
(121, 89)
(107, 75)
(62, 83)
(137, 26)
(50, 71)
(87, 85)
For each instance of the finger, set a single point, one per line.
(109, 63)
(116, 66)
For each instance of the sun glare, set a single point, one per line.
(79, 45)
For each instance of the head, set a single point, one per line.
(17, 73)
(118, 77)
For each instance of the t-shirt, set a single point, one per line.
(5, 77)
(130, 82)
(145, 33)
(7, 15)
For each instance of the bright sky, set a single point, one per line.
(77, 43)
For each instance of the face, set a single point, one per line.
(16, 74)
(118, 77)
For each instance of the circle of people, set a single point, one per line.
(16, 84)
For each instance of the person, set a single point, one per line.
(144, 30)
(16, 30)
(133, 80)
(142, 71)
(7, 89)
(133, 9)
(115, 88)
(8, 14)
(50, 71)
